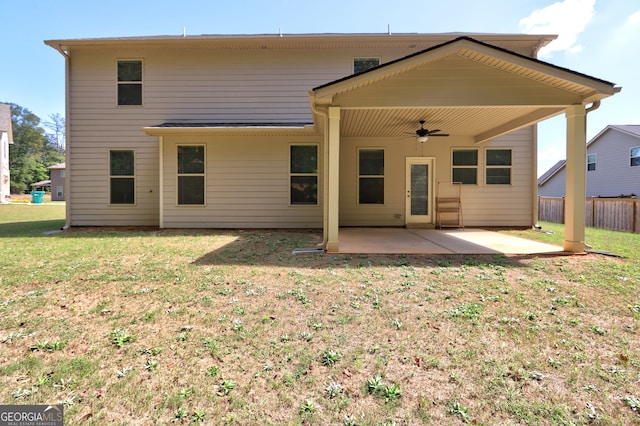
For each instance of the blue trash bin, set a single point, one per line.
(36, 197)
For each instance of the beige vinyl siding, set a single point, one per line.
(245, 86)
(447, 82)
(246, 184)
(483, 205)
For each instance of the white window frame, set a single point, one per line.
(382, 176)
(203, 174)
(316, 174)
(141, 82)
(498, 166)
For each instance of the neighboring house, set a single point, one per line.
(613, 166)
(6, 138)
(57, 174)
(312, 131)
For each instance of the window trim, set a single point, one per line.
(500, 166)
(631, 157)
(476, 166)
(141, 82)
(133, 176)
(355, 58)
(594, 162)
(316, 174)
(383, 176)
(203, 174)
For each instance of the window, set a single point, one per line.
(130, 82)
(59, 191)
(364, 64)
(190, 175)
(121, 177)
(635, 156)
(303, 172)
(63, 173)
(591, 162)
(371, 176)
(498, 171)
(465, 166)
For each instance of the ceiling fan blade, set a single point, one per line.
(433, 131)
(438, 134)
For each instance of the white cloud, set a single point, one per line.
(630, 30)
(566, 18)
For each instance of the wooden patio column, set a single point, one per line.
(576, 187)
(333, 180)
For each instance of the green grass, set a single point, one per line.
(148, 326)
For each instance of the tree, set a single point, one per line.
(57, 137)
(31, 152)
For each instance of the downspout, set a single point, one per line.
(67, 157)
(325, 168)
(594, 106)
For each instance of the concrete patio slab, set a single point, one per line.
(437, 241)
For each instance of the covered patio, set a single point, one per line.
(477, 93)
(438, 241)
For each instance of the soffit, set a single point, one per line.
(517, 42)
(403, 122)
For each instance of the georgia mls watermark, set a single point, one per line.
(31, 415)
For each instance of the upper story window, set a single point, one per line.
(635, 156)
(363, 64)
(465, 166)
(63, 173)
(130, 82)
(303, 175)
(121, 177)
(371, 176)
(591, 162)
(498, 171)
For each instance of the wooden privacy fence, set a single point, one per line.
(617, 214)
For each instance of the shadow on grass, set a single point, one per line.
(34, 228)
(262, 247)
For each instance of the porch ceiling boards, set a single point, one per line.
(460, 121)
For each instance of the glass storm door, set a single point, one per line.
(419, 188)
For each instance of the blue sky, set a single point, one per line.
(596, 37)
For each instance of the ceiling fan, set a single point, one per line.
(422, 134)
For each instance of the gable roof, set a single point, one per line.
(58, 166)
(632, 130)
(5, 121)
(460, 41)
(496, 92)
(457, 40)
(552, 171)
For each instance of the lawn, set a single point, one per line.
(149, 326)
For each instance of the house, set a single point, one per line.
(315, 130)
(613, 166)
(6, 138)
(57, 175)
